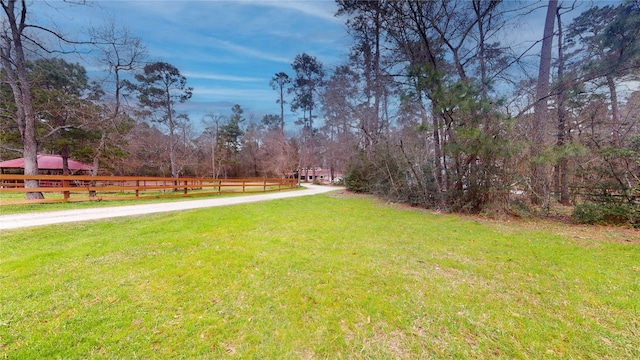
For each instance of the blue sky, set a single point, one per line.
(230, 49)
(227, 50)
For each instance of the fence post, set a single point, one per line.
(66, 194)
(185, 186)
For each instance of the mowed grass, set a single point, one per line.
(9, 208)
(321, 277)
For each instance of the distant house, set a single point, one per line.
(47, 165)
(322, 176)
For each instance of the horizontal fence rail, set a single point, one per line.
(605, 194)
(60, 188)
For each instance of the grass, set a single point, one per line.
(327, 276)
(9, 208)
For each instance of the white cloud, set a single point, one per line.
(212, 76)
(234, 93)
(249, 51)
(322, 9)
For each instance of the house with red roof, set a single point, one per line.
(47, 165)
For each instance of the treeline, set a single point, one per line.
(449, 110)
(442, 104)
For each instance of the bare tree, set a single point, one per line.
(148, 152)
(343, 118)
(120, 52)
(538, 169)
(14, 63)
(561, 168)
(366, 27)
(212, 122)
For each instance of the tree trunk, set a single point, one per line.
(282, 109)
(481, 53)
(17, 76)
(560, 176)
(615, 112)
(172, 155)
(172, 137)
(313, 150)
(437, 154)
(377, 82)
(65, 160)
(538, 169)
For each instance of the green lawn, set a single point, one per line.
(322, 277)
(6, 209)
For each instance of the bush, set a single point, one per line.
(504, 209)
(358, 174)
(607, 214)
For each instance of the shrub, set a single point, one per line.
(358, 174)
(607, 214)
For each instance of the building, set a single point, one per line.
(47, 165)
(322, 176)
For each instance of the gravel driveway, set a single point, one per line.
(64, 216)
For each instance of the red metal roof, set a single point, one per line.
(46, 162)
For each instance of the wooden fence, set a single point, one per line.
(605, 194)
(60, 188)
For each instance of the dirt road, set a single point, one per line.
(65, 216)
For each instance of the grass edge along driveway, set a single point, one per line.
(22, 220)
(326, 276)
